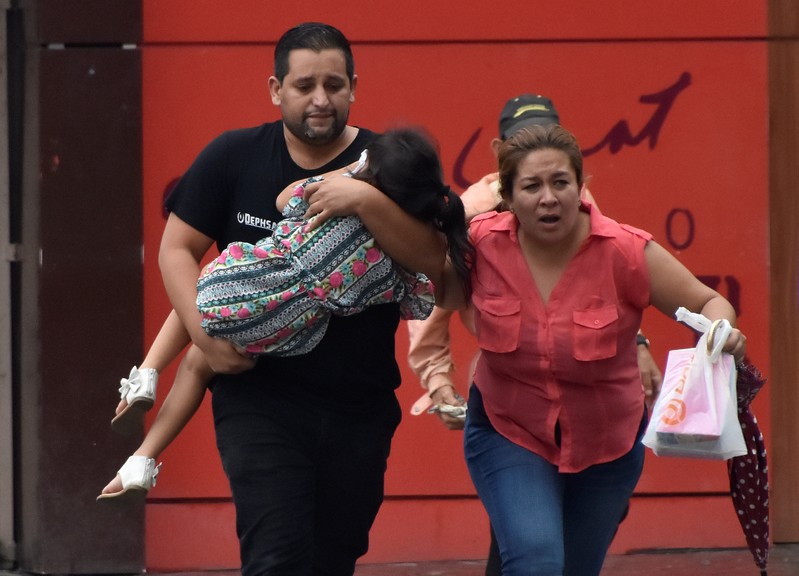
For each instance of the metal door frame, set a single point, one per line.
(8, 251)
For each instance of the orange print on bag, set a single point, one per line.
(674, 412)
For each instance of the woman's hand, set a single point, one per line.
(651, 377)
(736, 345)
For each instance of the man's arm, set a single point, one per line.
(413, 244)
(182, 249)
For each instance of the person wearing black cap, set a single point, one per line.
(525, 110)
(429, 353)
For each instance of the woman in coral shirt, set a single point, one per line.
(556, 411)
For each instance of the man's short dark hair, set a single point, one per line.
(314, 36)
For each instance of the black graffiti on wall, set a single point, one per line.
(619, 136)
(680, 233)
(680, 222)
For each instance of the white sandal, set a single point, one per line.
(138, 475)
(138, 390)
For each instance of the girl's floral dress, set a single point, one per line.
(277, 296)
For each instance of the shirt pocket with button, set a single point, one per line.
(499, 323)
(596, 333)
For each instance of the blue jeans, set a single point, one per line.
(547, 523)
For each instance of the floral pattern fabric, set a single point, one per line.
(277, 296)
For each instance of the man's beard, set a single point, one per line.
(313, 136)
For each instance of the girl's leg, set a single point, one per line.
(170, 341)
(179, 406)
(523, 495)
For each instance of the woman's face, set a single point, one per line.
(546, 197)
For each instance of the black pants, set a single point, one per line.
(307, 482)
(494, 563)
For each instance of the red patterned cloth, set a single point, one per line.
(749, 473)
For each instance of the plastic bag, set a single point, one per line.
(696, 413)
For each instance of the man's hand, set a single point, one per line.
(223, 357)
(335, 196)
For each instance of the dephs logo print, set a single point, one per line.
(254, 221)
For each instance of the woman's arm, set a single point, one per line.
(673, 285)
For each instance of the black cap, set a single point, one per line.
(525, 110)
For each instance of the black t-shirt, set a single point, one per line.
(229, 194)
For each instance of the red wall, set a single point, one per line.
(671, 95)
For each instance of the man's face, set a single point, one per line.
(315, 95)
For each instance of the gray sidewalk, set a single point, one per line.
(783, 561)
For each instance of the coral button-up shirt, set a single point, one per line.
(569, 362)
